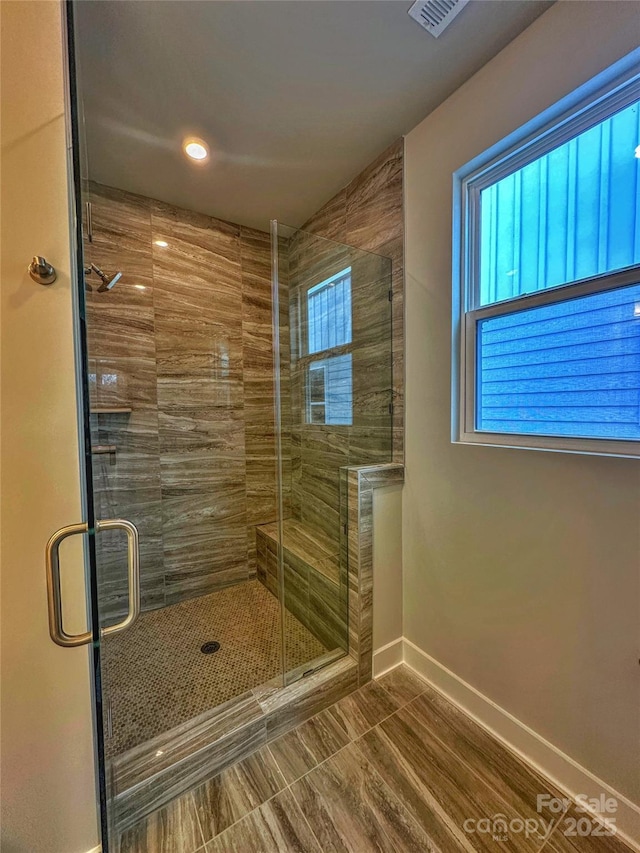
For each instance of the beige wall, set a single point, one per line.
(521, 567)
(47, 757)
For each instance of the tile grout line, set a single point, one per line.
(468, 766)
(369, 765)
(255, 809)
(355, 742)
(375, 774)
(278, 768)
(319, 764)
(286, 787)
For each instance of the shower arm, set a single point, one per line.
(108, 281)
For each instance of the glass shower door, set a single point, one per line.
(335, 411)
(166, 398)
(81, 215)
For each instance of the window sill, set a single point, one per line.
(581, 446)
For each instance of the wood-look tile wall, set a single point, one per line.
(185, 340)
(368, 214)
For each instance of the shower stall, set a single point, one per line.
(235, 378)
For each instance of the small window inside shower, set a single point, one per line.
(329, 387)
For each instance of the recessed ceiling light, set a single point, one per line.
(196, 149)
(162, 243)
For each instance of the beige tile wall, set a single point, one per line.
(368, 214)
(184, 339)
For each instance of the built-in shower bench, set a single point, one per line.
(316, 549)
(313, 590)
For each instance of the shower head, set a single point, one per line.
(108, 281)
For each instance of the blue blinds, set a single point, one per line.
(571, 214)
(331, 391)
(329, 313)
(571, 368)
(329, 380)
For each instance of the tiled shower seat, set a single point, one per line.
(314, 592)
(316, 549)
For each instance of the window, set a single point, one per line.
(330, 395)
(548, 320)
(329, 338)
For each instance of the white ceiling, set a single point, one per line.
(294, 97)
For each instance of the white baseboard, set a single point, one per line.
(550, 761)
(388, 657)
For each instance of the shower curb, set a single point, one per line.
(192, 753)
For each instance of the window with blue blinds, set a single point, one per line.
(329, 330)
(330, 391)
(549, 308)
(571, 368)
(329, 313)
(570, 214)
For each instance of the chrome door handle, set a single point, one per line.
(54, 598)
(133, 571)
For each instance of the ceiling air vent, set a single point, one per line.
(436, 15)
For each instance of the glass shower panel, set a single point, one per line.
(182, 424)
(335, 374)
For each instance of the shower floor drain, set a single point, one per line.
(210, 647)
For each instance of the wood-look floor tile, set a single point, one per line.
(566, 838)
(172, 829)
(276, 827)
(236, 791)
(349, 808)
(302, 749)
(435, 785)
(402, 684)
(360, 711)
(509, 777)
